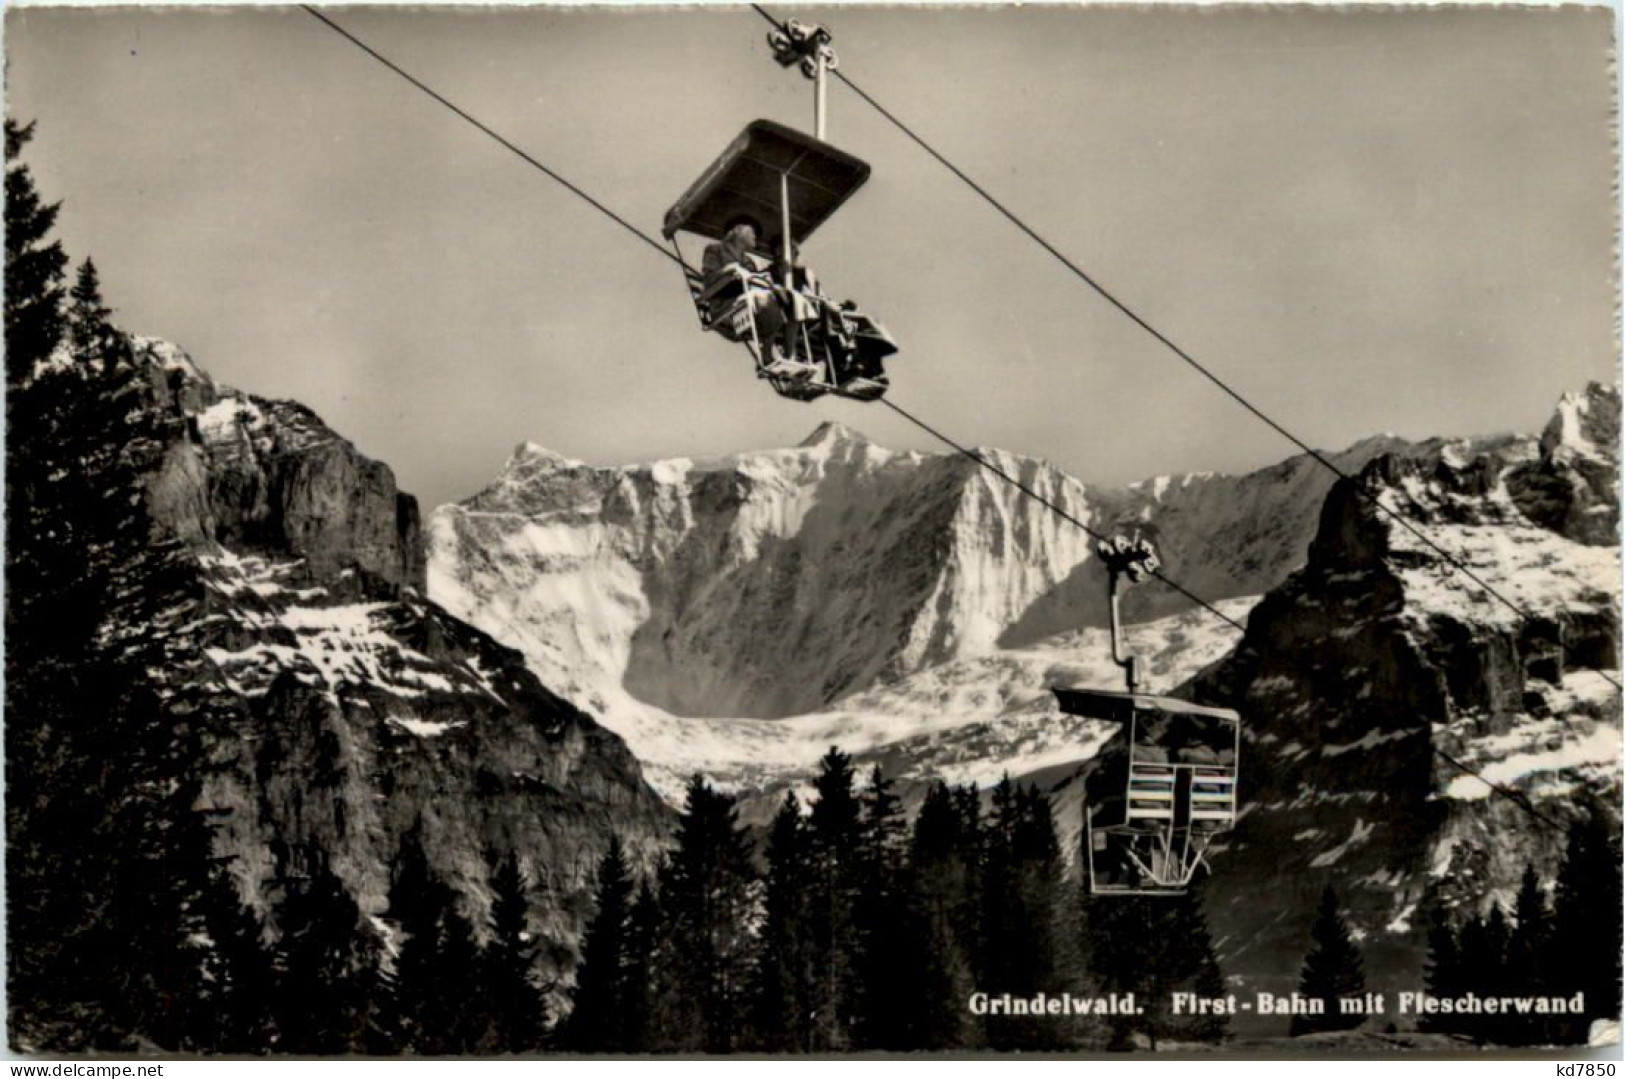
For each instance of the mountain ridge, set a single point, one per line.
(935, 561)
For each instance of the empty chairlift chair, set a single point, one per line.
(1163, 788)
(1160, 791)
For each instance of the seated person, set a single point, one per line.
(827, 321)
(736, 248)
(797, 273)
(736, 251)
(864, 358)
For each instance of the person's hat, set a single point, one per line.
(742, 219)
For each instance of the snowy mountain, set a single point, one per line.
(193, 560)
(737, 617)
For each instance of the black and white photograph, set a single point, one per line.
(1064, 531)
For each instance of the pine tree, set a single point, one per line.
(1208, 984)
(1499, 936)
(1153, 947)
(1040, 875)
(880, 915)
(596, 1022)
(1000, 906)
(1527, 957)
(1442, 976)
(1333, 969)
(417, 901)
(80, 756)
(241, 1015)
(34, 265)
(967, 802)
(519, 1014)
(784, 975)
(328, 958)
(1196, 967)
(90, 333)
(102, 921)
(1020, 875)
(439, 1002)
(87, 314)
(1483, 952)
(645, 961)
(1586, 922)
(460, 1021)
(1038, 902)
(164, 981)
(1119, 951)
(833, 892)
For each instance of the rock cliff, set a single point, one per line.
(1378, 678)
(233, 566)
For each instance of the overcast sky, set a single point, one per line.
(1366, 220)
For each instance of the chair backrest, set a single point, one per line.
(1213, 796)
(1150, 792)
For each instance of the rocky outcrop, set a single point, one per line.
(1573, 488)
(269, 477)
(1378, 678)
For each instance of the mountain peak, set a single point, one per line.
(1585, 424)
(831, 433)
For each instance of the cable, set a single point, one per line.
(983, 462)
(1167, 342)
(677, 258)
(1236, 396)
(555, 177)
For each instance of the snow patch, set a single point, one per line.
(425, 728)
(1371, 740)
(672, 472)
(223, 418)
(1599, 746)
(1362, 832)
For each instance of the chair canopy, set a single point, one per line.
(745, 180)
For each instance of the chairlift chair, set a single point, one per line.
(1160, 792)
(774, 173)
(1166, 785)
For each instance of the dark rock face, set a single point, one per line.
(246, 570)
(1363, 676)
(1574, 487)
